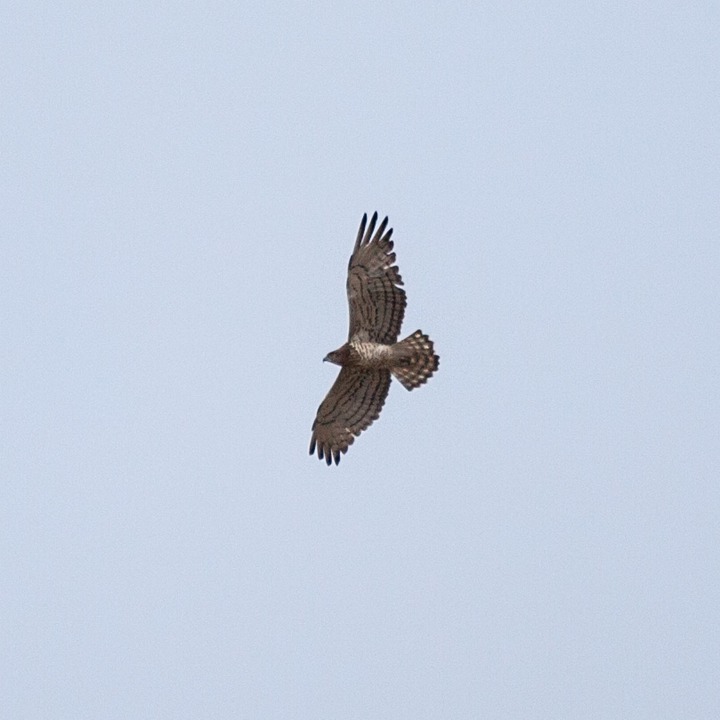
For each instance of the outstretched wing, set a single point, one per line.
(377, 303)
(353, 403)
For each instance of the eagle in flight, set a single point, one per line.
(372, 355)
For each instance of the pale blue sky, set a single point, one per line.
(534, 534)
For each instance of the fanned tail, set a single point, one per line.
(414, 360)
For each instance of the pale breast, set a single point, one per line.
(370, 354)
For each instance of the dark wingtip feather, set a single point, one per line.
(312, 446)
(370, 229)
(380, 229)
(361, 231)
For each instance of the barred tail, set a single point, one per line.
(414, 360)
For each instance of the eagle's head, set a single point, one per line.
(339, 356)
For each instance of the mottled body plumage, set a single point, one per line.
(363, 354)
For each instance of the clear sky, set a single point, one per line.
(533, 534)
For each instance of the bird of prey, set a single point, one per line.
(372, 355)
